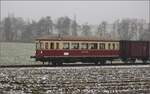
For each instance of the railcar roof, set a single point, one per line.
(71, 38)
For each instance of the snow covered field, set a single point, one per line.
(75, 80)
(16, 53)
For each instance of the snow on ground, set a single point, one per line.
(16, 53)
(75, 80)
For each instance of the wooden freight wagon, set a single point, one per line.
(132, 50)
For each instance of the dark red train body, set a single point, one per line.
(77, 53)
(135, 50)
(120, 50)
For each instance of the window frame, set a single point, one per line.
(37, 45)
(109, 46)
(102, 46)
(114, 46)
(41, 45)
(94, 47)
(75, 46)
(52, 46)
(66, 48)
(83, 46)
(57, 45)
(46, 45)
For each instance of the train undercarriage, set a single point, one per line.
(94, 60)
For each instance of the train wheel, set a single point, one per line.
(96, 63)
(49, 62)
(54, 63)
(60, 63)
(103, 62)
(144, 61)
(43, 62)
(125, 61)
(132, 60)
(110, 61)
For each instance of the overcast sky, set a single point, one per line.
(92, 12)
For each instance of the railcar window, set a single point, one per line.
(102, 46)
(109, 46)
(37, 45)
(51, 45)
(113, 46)
(84, 45)
(75, 46)
(41, 45)
(57, 45)
(66, 45)
(46, 45)
(93, 45)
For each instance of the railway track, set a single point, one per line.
(72, 65)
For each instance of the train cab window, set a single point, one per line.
(46, 45)
(113, 46)
(109, 46)
(57, 45)
(75, 46)
(84, 45)
(66, 45)
(102, 46)
(37, 45)
(51, 45)
(93, 45)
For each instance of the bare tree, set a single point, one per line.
(99, 31)
(27, 34)
(49, 25)
(17, 27)
(124, 30)
(74, 26)
(144, 33)
(63, 25)
(45, 26)
(102, 30)
(86, 30)
(115, 29)
(7, 28)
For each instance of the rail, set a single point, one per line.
(71, 65)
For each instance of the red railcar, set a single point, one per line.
(69, 49)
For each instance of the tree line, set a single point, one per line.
(16, 29)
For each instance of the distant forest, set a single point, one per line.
(16, 29)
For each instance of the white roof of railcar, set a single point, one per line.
(71, 38)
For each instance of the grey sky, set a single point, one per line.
(92, 12)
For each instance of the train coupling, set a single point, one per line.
(32, 56)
